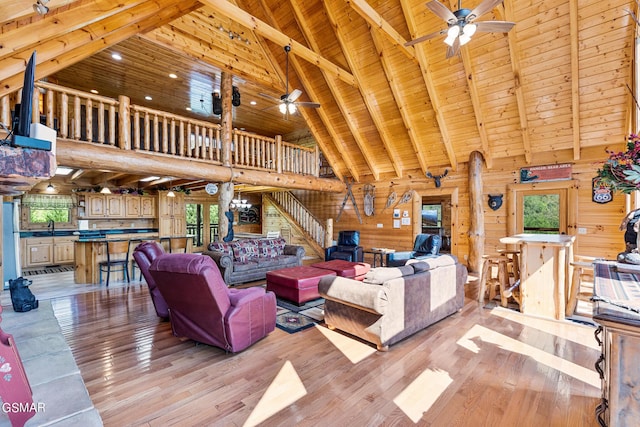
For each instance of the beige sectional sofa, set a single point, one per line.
(393, 303)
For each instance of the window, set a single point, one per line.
(541, 213)
(431, 218)
(44, 208)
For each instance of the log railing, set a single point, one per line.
(86, 117)
(299, 213)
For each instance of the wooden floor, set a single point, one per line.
(479, 367)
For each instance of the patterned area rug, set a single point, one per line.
(292, 318)
(48, 270)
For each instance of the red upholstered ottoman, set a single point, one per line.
(297, 284)
(352, 270)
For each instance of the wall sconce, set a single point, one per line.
(40, 8)
(233, 35)
(495, 201)
(217, 103)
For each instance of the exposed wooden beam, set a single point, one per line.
(325, 120)
(381, 26)
(368, 96)
(240, 16)
(77, 174)
(514, 53)
(58, 23)
(575, 76)
(95, 156)
(62, 52)
(400, 97)
(347, 156)
(470, 72)
(429, 80)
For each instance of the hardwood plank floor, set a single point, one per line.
(476, 368)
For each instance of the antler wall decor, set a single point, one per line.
(437, 178)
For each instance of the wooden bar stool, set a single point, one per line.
(178, 245)
(579, 268)
(513, 265)
(118, 257)
(495, 285)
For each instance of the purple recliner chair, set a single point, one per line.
(144, 254)
(202, 308)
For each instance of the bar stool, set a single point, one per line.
(513, 265)
(116, 249)
(579, 268)
(178, 244)
(491, 283)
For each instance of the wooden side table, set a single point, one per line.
(379, 254)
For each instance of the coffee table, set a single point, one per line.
(352, 270)
(298, 284)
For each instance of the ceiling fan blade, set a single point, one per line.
(494, 26)
(482, 8)
(424, 38)
(442, 11)
(453, 50)
(294, 95)
(308, 104)
(272, 98)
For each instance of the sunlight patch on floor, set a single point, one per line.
(567, 330)
(354, 350)
(478, 335)
(418, 397)
(283, 391)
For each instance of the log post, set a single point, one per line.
(328, 233)
(226, 189)
(476, 212)
(225, 195)
(124, 116)
(226, 87)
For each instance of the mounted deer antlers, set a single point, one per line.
(437, 178)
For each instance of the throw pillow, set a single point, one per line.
(221, 247)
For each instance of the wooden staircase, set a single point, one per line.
(300, 217)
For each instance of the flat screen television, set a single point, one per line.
(21, 124)
(22, 116)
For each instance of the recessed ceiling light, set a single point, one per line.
(61, 170)
(173, 76)
(148, 98)
(116, 56)
(94, 91)
(253, 103)
(150, 178)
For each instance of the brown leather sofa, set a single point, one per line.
(392, 303)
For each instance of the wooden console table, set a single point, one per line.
(617, 297)
(544, 272)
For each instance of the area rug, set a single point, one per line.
(292, 318)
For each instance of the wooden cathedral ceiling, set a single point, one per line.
(558, 81)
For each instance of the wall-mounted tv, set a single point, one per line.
(21, 125)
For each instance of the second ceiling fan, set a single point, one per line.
(461, 24)
(288, 101)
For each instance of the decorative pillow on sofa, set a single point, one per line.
(437, 261)
(377, 276)
(271, 248)
(221, 247)
(243, 250)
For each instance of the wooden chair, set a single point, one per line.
(178, 245)
(117, 256)
(581, 266)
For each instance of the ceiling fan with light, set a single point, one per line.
(287, 102)
(461, 24)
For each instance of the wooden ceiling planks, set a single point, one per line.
(542, 86)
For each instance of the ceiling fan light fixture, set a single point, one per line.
(452, 33)
(283, 108)
(291, 108)
(468, 31)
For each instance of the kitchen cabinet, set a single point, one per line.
(100, 206)
(37, 251)
(172, 219)
(63, 252)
